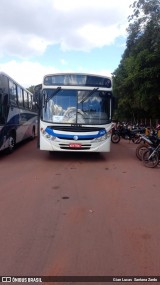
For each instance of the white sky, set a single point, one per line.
(39, 37)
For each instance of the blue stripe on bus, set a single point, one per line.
(67, 136)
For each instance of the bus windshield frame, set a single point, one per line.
(75, 106)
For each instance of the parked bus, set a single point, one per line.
(18, 115)
(75, 112)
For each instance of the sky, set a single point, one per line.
(40, 37)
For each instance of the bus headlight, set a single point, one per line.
(46, 135)
(102, 138)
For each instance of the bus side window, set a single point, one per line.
(13, 92)
(30, 101)
(20, 96)
(25, 99)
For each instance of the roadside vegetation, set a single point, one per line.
(137, 78)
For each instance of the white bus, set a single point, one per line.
(18, 115)
(75, 112)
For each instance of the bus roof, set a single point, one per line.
(5, 74)
(78, 73)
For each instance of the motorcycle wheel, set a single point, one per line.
(150, 162)
(140, 150)
(115, 138)
(136, 139)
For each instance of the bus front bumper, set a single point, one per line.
(75, 146)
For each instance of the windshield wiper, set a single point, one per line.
(88, 95)
(53, 94)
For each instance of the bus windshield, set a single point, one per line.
(77, 106)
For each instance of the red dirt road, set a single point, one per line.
(78, 213)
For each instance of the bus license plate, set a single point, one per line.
(75, 145)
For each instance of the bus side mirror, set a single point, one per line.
(37, 95)
(35, 105)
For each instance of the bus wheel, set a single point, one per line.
(11, 145)
(33, 135)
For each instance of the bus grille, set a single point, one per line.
(72, 139)
(75, 128)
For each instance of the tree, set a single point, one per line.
(136, 81)
(31, 88)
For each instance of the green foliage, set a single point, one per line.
(136, 80)
(31, 89)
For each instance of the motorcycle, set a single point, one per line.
(125, 133)
(145, 142)
(151, 157)
(115, 137)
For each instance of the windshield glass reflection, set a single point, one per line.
(73, 106)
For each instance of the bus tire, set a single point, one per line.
(12, 143)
